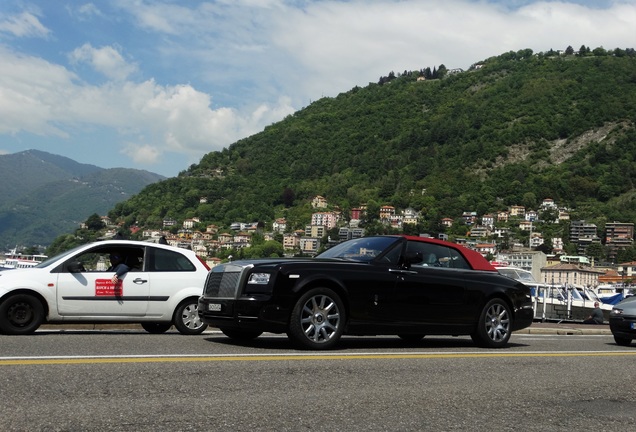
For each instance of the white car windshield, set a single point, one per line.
(58, 256)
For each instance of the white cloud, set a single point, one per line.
(193, 77)
(88, 10)
(25, 24)
(143, 154)
(31, 90)
(105, 60)
(46, 99)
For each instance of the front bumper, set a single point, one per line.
(523, 317)
(248, 313)
(623, 326)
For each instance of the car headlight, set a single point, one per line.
(616, 311)
(259, 279)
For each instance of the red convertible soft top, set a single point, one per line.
(474, 258)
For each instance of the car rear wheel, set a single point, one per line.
(317, 320)
(241, 335)
(494, 325)
(186, 318)
(622, 341)
(156, 328)
(20, 314)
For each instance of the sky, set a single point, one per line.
(155, 85)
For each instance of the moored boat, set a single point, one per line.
(17, 260)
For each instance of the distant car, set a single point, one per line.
(160, 290)
(623, 321)
(401, 285)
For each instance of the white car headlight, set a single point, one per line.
(259, 278)
(616, 311)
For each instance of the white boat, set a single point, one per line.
(558, 302)
(16, 260)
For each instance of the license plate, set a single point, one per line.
(632, 326)
(214, 307)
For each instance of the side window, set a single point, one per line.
(457, 260)
(166, 260)
(97, 259)
(393, 256)
(428, 251)
(437, 255)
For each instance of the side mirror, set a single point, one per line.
(413, 258)
(75, 267)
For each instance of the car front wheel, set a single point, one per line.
(20, 314)
(494, 325)
(186, 318)
(317, 320)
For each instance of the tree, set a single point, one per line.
(94, 222)
(596, 251)
(569, 50)
(287, 197)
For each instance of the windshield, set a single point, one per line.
(517, 274)
(50, 261)
(364, 249)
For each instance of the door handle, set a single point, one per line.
(407, 272)
(139, 281)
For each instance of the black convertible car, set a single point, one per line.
(402, 285)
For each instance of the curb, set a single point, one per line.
(564, 331)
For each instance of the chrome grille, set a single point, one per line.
(222, 284)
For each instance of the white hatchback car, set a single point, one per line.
(161, 289)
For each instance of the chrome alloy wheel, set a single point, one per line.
(497, 322)
(190, 317)
(320, 318)
(187, 320)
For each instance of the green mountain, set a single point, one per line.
(45, 195)
(512, 130)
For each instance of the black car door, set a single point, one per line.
(431, 292)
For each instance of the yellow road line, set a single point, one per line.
(185, 359)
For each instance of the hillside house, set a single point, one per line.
(447, 222)
(309, 245)
(486, 248)
(318, 231)
(169, 222)
(279, 225)
(479, 232)
(357, 213)
(291, 241)
(410, 216)
(326, 219)
(547, 204)
(470, 217)
(525, 225)
(501, 232)
(190, 223)
(488, 220)
(319, 202)
(517, 211)
(503, 216)
(386, 212)
(536, 240)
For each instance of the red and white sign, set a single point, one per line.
(106, 287)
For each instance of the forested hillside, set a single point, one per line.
(512, 130)
(45, 195)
